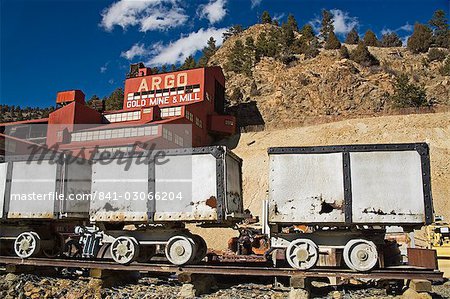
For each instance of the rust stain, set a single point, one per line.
(211, 202)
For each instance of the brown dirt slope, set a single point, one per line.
(431, 128)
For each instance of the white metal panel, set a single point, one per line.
(194, 178)
(233, 183)
(306, 188)
(32, 189)
(3, 169)
(114, 189)
(77, 188)
(387, 187)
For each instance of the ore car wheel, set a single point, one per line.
(27, 244)
(180, 250)
(302, 254)
(124, 250)
(360, 255)
(202, 248)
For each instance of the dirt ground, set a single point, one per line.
(252, 147)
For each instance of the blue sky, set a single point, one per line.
(49, 46)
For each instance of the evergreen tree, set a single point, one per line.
(235, 59)
(391, 39)
(362, 55)
(292, 22)
(312, 49)
(275, 22)
(332, 42)
(249, 56)
(408, 94)
(352, 37)
(233, 30)
(327, 24)
(441, 32)
(266, 18)
(115, 100)
(164, 68)
(307, 32)
(420, 40)
(288, 36)
(208, 52)
(189, 63)
(370, 39)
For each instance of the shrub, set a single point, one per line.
(436, 55)
(420, 40)
(445, 69)
(343, 51)
(390, 40)
(362, 56)
(408, 94)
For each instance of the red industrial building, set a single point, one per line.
(152, 104)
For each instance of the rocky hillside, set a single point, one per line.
(326, 87)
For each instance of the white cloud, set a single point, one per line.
(214, 11)
(342, 22)
(255, 3)
(136, 50)
(278, 17)
(147, 14)
(177, 51)
(406, 28)
(404, 40)
(104, 68)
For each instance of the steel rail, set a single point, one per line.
(388, 273)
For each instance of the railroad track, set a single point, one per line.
(393, 273)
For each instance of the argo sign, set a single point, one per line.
(171, 89)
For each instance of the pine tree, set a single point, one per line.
(362, 55)
(420, 40)
(312, 49)
(233, 30)
(288, 36)
(208, 52)
(352, 37)
(292, 22)
(441, 32)
(249, 56)
(164, 68)
(307, 32)
(408, 94)
(332, 42)
(115, 100)
(235, 59)
(391, 39)
(189, 63)
(266, 18)
(370, 39)
(327, 24)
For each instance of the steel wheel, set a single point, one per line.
(201, 246)
(360, 255)
(180, 250)
(27, 244)
(124, 249)
(302, 254)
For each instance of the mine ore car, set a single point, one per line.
(330, 199)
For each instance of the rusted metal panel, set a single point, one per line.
(234, 202)
(387, 187)
(419, 257)
(306, 188)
